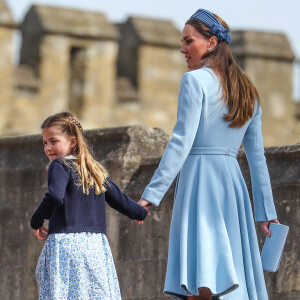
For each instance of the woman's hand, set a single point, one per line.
(265, 226)
(145, 204)
(41, 233)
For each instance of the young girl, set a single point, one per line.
(76, 261)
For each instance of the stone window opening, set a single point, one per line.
(77, 69)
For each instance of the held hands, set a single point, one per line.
(265, 226)
(41, 233)
(145, 204)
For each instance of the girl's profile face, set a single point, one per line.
(57, 143)
(194, 46)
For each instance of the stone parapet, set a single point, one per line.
(155, 32)
(6, 19)
(125, 74)
(70, 22)
(267, 59)
(131, 155)
(248, 43)
(283, 164)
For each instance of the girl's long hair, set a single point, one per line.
(91, 173)
(238, 91)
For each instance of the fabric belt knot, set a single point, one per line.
(213, 151)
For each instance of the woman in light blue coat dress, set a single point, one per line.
(213, 247)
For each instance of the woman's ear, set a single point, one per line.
(213, 42)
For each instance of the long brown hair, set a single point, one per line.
(238, 91)
(91, 173)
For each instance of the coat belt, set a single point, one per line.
(213, 151)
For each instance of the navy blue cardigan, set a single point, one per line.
(69, 210)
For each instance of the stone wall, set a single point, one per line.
(124, 74)
(131, 154)
(159, 85)
(73, 69)
(283, 163)
(7, 27)
(149, 57)
(267, 59)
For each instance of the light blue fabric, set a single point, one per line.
(77, 266)
(213, 241)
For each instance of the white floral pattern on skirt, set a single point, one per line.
(77, 266)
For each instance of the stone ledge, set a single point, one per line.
(71, 22)
(6, 19)
(131, 154)
(249, 43)
(153, 31)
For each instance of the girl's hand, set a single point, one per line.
(41, 233)
(265, 226)
(145, 204)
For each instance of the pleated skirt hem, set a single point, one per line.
(186, 293)
(213, 241)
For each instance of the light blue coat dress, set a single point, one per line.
(213, 241)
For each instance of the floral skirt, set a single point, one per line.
(77, 266)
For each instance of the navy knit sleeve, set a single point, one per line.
(58, 178)
(123, 203)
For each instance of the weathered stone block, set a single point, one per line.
(131, 155)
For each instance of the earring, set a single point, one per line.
(209, 50)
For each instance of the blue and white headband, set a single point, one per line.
(215, 27)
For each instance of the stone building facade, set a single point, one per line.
(70, 58)
(268, 60)
(150, 60)
(124, 74)
(7, 27)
